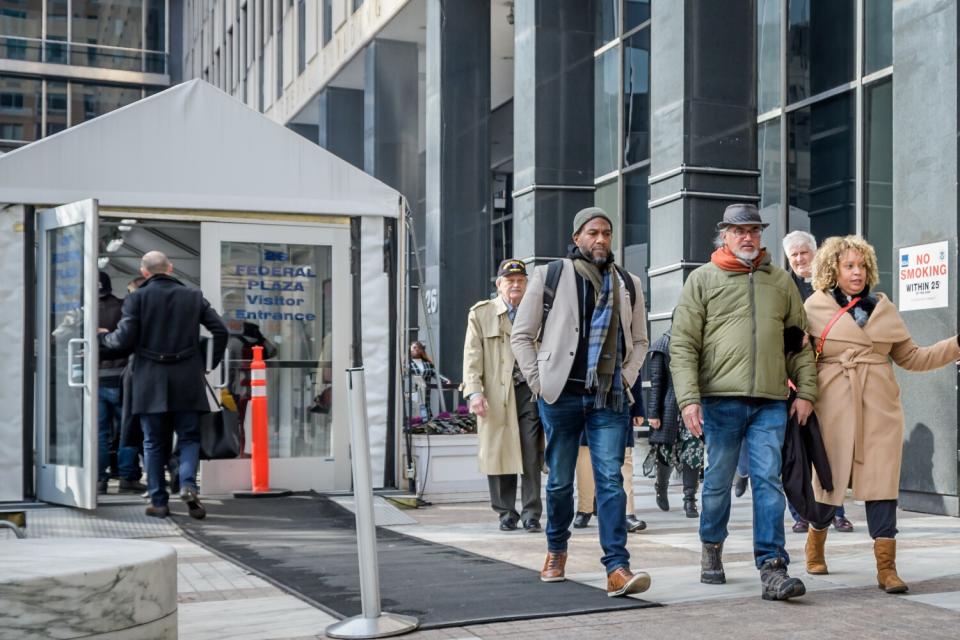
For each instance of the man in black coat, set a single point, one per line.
(160, 324)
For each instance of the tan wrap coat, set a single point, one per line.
(861, 416)
(488, 369)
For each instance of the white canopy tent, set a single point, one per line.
(194, 148)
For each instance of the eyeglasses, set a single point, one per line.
(740, 232)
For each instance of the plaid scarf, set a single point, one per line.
(604, 356)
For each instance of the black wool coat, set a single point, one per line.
(160, 325)
(662, 401)
(803, 448)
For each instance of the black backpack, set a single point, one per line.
(553, 279)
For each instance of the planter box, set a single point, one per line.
(447, 469)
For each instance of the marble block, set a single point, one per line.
(87, 587)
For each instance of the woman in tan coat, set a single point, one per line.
(859, 405)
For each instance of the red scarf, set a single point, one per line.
(725, 259)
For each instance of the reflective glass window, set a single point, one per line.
(636, 98)
(606, 21)
(878, 177)
(820, 46)
(635, 13)
(113, 23)
(606, 100)
(20, 29)
(156, 28)
(607, 197)
(768, 156)
(301, 36)
(768, 55)
(56, 107)
(821, 161)
(91, 100)
(56, 32)
(877, 35)
(636, 225)
(327, 20)
(20, 108)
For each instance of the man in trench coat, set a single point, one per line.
(508, 423)
(160, 324)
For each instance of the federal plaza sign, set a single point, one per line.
(923, 276)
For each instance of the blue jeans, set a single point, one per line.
(158, 430)
(563, 423)
(109, 414)
(760, 424)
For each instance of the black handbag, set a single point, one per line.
(219, 432)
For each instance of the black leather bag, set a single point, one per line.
(219, 432)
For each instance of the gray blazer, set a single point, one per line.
(547, 366)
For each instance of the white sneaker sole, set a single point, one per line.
(638, 584)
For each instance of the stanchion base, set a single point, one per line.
(269, 493)
(387, 624)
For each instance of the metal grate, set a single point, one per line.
(384, 513)
(127, 521)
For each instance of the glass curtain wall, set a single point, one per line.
(128, 35)
(622, 127)
(824, 91)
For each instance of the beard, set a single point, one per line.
(749, 256)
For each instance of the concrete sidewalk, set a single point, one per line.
(219, 599)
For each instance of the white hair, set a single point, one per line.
(799, 238)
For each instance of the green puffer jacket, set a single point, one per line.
(728, 336)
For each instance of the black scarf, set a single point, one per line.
(862, 310)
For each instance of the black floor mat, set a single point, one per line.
(307, 544)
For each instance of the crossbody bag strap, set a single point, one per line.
(213, 393)
(833, 321)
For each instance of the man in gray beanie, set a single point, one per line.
(584, 389)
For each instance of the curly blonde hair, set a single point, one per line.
(826, 264)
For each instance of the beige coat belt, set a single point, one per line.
(850, 363)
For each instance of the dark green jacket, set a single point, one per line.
(728, 336)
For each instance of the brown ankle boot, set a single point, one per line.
(553, 567)
(885, 549)
(816, 563)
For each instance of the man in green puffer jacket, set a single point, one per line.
(730, 374)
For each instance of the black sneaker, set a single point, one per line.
(194, 507)
(581, 520)
(508, 523)
(711, 564)
(635, 525)
(777, 585)
(132, 486)
(532, 526)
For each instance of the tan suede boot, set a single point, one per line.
(816, 563)
(885, 549)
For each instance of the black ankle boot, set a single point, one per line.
(661, 484)
(690, 477)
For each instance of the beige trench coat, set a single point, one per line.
(859, 407)
(488, 369)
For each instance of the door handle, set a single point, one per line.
(224, 371)
(71, 365)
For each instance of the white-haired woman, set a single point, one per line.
(857, 333)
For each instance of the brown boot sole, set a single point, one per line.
(818, 572)
(902, 589)
(638, 584)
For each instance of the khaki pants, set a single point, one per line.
(586, 490)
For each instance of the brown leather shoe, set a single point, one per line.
(158, 512)
(622, 582)
(553, 567)
(885, 550)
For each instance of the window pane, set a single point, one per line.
(636, 98)
(301, 36)
(768, 154)
(19, 20)
(768, 55)
(878, 177)
(636, 225)
(104, 58)
(156, 25)
(635, 13)
(878, 34)
(19, 109)
(820, 46)
(327, 20)
(821, 168)
(114, 23)
(56, 31)
(606, 21)
(92, 100)
(606, 98)
(56, 107)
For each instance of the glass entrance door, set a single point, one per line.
(286, 289)
(66, 413)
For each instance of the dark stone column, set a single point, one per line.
(703, 136)
(553, 123)
(458, 196)
(390, 115)
(341, 123)
(925, 162)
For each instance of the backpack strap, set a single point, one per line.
(550, 291)
(630, 284)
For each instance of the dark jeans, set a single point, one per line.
(109, 415)
(728, 423)
(563, 422)
(503, 488)
(158, 430)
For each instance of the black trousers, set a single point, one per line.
(503, 488)
(881, 519)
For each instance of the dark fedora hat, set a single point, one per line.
(741, 214)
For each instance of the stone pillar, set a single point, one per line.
(390, 123)
(553, 123)
(925, 163)
(703, 136)
(458, 198)
(341, 123)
